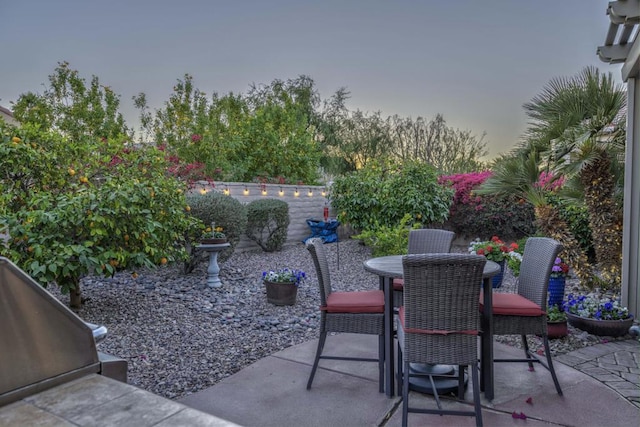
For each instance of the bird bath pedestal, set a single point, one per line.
(212, 279)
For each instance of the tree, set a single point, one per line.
(520, 176)
(266, 132)
(577, 120)
(72, 107)
(105, 208)
(447, 149)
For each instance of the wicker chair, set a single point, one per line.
(439, 322)
(524, 313)
(424, 241)
(349, 312)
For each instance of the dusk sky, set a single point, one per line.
(475, 62)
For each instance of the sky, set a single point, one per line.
(476, 62)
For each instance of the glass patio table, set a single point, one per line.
(389, 268)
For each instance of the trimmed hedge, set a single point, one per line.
(224, 211)
(267, 223)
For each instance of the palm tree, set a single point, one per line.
(519, 175)
(572, 120)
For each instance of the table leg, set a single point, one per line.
(486, 380)
(386, 285)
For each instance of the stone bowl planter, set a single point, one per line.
(610, 328)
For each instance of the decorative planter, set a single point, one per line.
(281, 293)
(217, 241)
(557, 329)
(611, 328)
(556, 290)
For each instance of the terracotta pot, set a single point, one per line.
(611, 328)
(281, 293)
(557, 329)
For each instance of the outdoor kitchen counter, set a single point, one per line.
(96, 400)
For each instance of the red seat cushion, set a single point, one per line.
(430, 331)
(398, 284)
(355, 302)
(513, 305)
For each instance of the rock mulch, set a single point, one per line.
(180, 336)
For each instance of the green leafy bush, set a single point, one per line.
(91, 205)
(267, 223)
(225, 212)
(382, 193)
(385, 240)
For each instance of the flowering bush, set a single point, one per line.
(284, 275)
(594, 306)
(213, 233)
(555, 313)
(494, 250)
(559, 269)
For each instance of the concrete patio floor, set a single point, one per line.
(271, 392)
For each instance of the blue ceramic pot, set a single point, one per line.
(556, 290)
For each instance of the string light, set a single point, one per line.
(246, 191)
(264, 189)
(324, 192)
(310, 193)
(296, 193)
(281, 193)
(226, 190)
(203, 190)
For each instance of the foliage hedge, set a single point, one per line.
(268, 223)
(382, 193)
(483, 216)
(225, 212)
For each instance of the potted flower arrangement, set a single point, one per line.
(556, 322)
(494, 250)
(598, 314)
(282, 285)
(557, 281)
(213, 236)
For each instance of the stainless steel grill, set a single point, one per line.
(42, 342)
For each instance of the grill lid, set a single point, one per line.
(42, 342)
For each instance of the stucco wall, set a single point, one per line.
(301, 206)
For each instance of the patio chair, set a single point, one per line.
(439, 323)
(424, 241)
(350, 312)
(523, 313)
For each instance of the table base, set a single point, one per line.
(444, 384)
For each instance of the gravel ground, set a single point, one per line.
(180, 336)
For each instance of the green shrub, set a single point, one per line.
(225, 212)
(385, 240)
(382, 193)
(267, 223)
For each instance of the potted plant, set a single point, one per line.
(213, 236)
(556, 322)
(494, 250)
(282, 285)
(598, 314)
(557, 281)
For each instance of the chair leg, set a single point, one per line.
(476, 394)
(547, 351)
(399, 372)
(405, 394)
(461, 370)
(323, 337)
(381, 363)
(525, 345)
